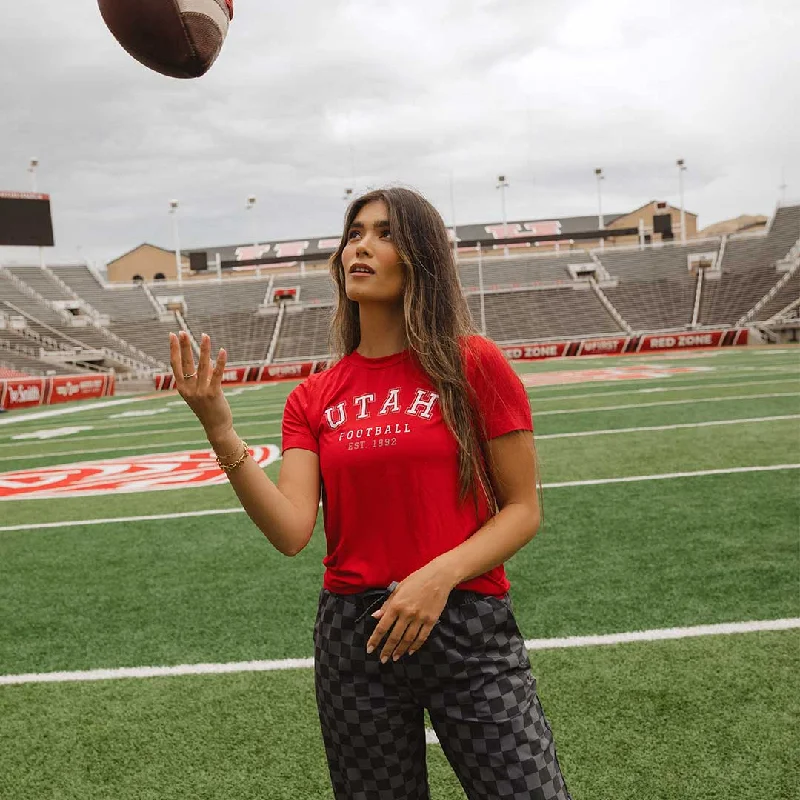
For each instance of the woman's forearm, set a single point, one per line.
(271, 511)
(505, 533)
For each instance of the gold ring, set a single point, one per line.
(190, 376)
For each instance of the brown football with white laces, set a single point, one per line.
(179, 38)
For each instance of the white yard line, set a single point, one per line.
(245, 411)
(60, 412)
(147, 432)
(591, 410)
(213, 511)
(654, 635)
(268, 420)
(688, 401)
(676, 387)
(184, 418)
(165, 448)
(678, 379)
(110, 520)
(676, 426)
(541, 436)
(670, 475)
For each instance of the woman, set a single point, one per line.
(419, 440)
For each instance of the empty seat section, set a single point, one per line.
(543, 314)
(304, 334)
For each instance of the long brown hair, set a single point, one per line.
(436, 318)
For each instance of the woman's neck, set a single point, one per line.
(383, 330)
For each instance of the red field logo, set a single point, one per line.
(146, 473)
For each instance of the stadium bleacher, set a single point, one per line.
(245, 337)
(749, 270)
(304, 334)
(40, 281)
(520, 271)
(655, 290)
(525, 316)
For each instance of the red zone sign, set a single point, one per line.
(131, 474)
(619, 345)
(26, 392)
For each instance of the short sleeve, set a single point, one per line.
(501, 397)
(296, 429)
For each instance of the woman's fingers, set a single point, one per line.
(175, 359)
(219, 370)
(204, 365)
(187, 359)
(182, 362)
(387, 618)
(408, 639)
(422, 636)
(395, 635)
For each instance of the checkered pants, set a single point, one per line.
(473, 676)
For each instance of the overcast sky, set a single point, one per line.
(311, 96)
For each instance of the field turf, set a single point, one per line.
(627, 545)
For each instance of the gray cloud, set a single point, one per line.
(310, 97)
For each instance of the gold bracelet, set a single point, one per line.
(238, 462)
(228, 455)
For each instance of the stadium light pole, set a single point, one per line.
(502, 185)
(251, 205)
(32, 167)
(601, 224)
(481, 295)
(173, 209)
(34, 163)
(453, 214)
(681, 169)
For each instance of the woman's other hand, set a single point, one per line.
(411, 611)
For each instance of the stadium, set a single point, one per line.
(154, 644)
(123, 633)
(544, 288)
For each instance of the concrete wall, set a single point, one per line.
(646, 213)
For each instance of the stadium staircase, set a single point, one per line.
(784, 295)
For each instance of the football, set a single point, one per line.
(179, 38)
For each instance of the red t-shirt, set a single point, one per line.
(389, 464)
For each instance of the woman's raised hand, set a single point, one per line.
(201, 386)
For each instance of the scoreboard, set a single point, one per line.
(25, 220)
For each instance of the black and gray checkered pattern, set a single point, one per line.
(473, 675)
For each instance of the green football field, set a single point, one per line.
(671, 499)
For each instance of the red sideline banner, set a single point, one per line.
(261, 373)
(607, 346)
(619, 345)
(26, 392)
(680, 341)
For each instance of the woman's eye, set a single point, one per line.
(386, 233)
(352, 234)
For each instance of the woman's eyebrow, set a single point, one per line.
(383, 223)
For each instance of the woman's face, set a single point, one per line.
(373, 272)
